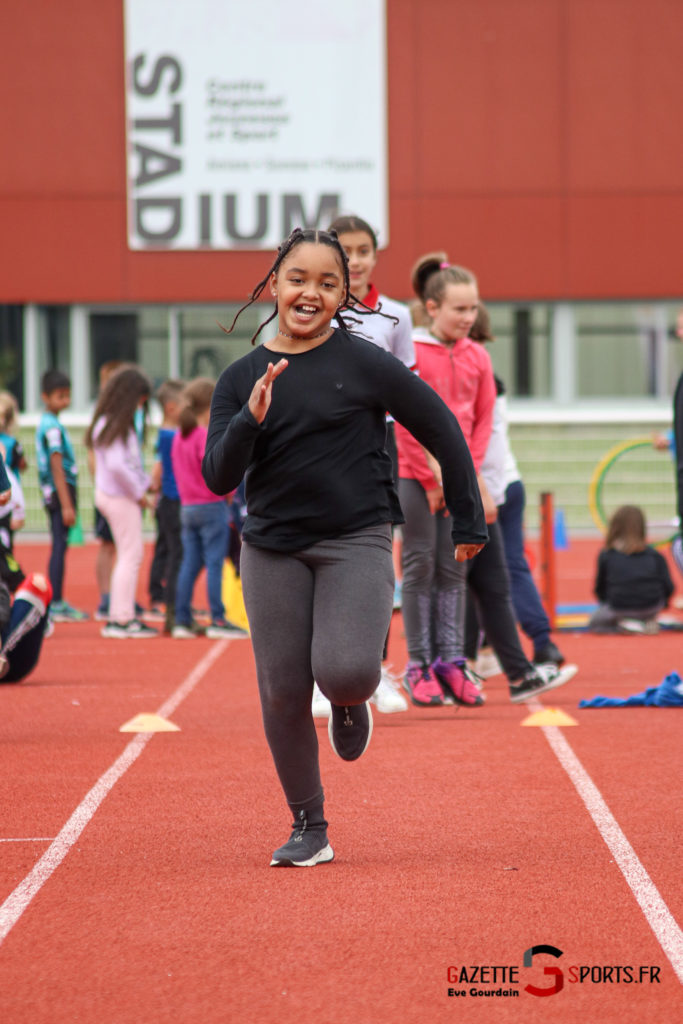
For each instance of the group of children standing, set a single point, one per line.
(192, 522)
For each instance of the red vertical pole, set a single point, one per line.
(548, 581)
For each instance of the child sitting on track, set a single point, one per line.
(304, 416)
(22, 623)
(633, 583)
(22, 626)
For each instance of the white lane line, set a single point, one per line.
(32, 839)
(17, 902)
(657, 914)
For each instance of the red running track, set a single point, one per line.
(461, 842)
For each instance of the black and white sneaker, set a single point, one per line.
(541, 679)
(350, 729)
(225, 628)
(128, 630)
(306, 847)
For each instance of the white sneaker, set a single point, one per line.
(642, 627)
(487, 664)
(183, 633)
(387, 697)
(320, 705)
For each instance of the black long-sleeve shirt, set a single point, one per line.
(638, 580)
(317, 466)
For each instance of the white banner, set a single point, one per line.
(246, 119)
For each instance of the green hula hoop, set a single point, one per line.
(595, 488)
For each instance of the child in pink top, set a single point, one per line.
(121, 486)
(203, 517)
(434, 585)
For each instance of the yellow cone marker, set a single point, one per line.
(149, 723)
(549, 716)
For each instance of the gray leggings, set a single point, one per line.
(434, 587)
(605, 617)
(321, 613)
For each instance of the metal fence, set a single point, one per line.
(557, 457)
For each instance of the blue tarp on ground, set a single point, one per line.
(669, 694)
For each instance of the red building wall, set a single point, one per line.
(539, 142)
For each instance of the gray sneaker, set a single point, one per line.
(306, 847)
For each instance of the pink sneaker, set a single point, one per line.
(421, 686)
(455, 683)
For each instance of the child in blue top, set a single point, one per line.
(15, 459)
(58, 478)
(168, 550)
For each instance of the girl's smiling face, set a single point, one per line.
(362, 255)
(454, 316)
(309, 288)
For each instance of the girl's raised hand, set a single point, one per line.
(261, 395)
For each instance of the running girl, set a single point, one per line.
(304, 417)
(393, 333)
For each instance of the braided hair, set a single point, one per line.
(298, 237)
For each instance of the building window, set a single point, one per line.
(521, 353)
(205, 349)
(11, 350)
(138, 336)
(54, 346)
(619, 348)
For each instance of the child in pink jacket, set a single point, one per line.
(434, 585)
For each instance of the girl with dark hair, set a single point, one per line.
(121, 486)
(303, 416)
(393, 333)
(633, 583)
(204, 519)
